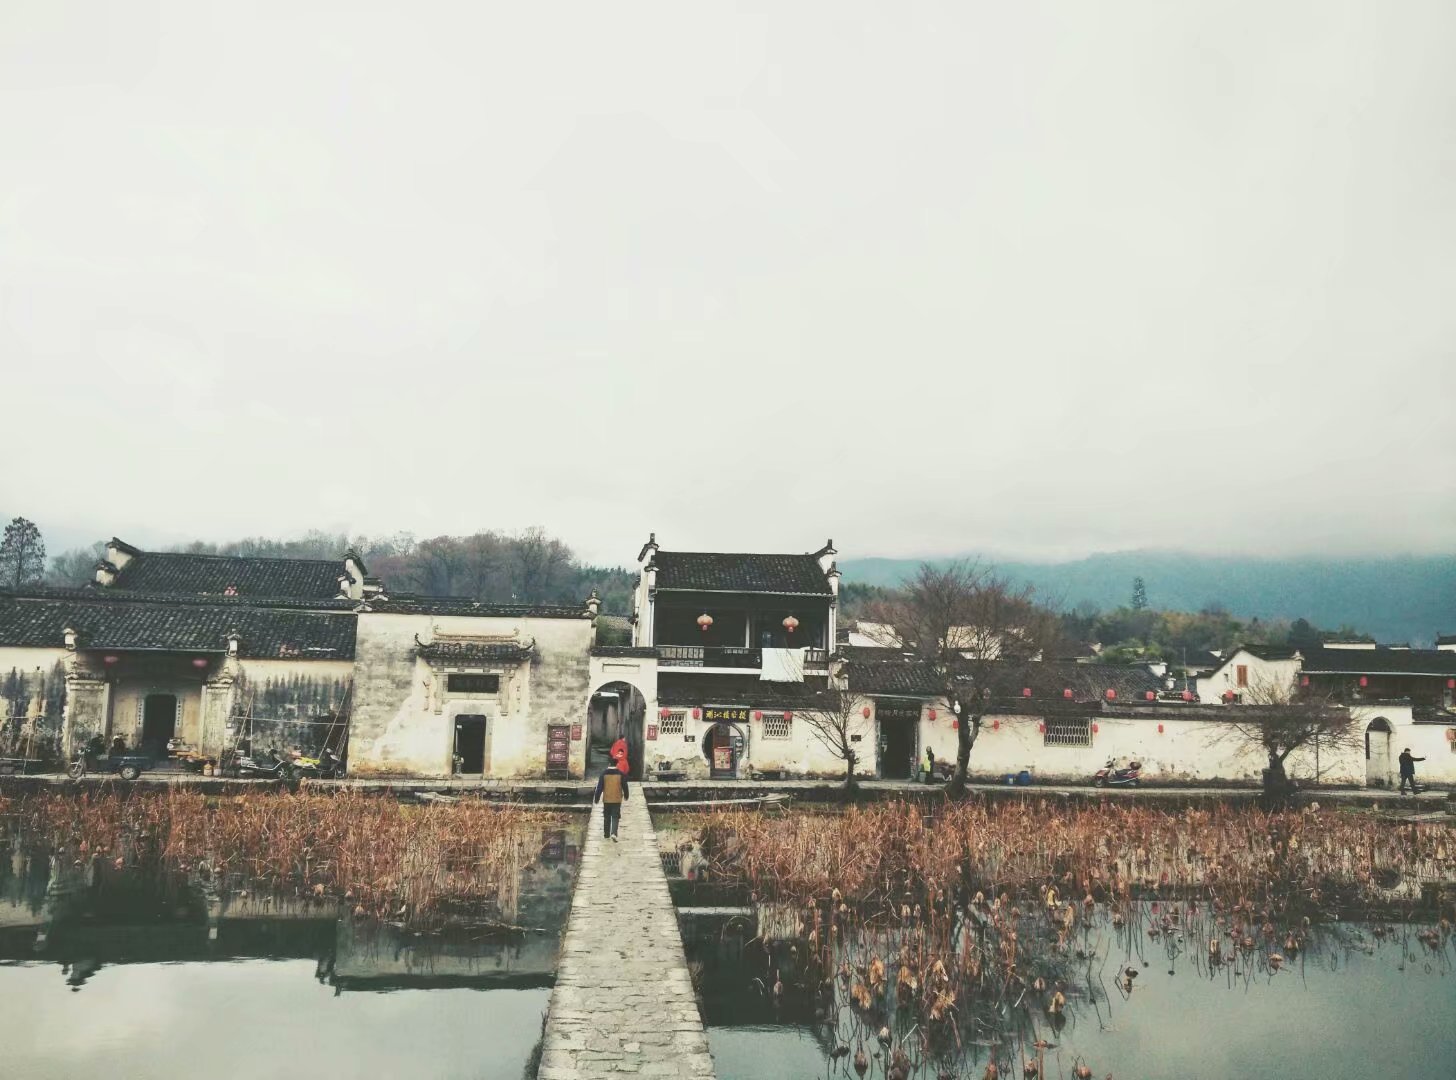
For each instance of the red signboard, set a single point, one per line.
(652, 731)
(576, 733)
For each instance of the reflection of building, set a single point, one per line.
(726, 647)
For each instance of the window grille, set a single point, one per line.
(460, 682)
(777, 726)
(1068, 731)
(671, 724)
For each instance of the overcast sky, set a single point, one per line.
(1038, 278)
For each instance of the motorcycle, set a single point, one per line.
(269, 766)
(327, 766)
(93, 755)
(1111, 776)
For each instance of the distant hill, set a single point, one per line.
(1397, 598)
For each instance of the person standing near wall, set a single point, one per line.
(611, 793)
(618, 754)
(1408, 770)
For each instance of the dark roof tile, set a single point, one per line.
(711, 571)
(1319, 661)
(691, 691)
(101, 622)
(214, 575)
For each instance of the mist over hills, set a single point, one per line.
(1394, 598)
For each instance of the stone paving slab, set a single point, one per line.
(623, 1001)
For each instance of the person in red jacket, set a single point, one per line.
(618, 754)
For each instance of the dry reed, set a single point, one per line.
(382, 858)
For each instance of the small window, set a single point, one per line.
(459, 682)
(671, 724)
(1068, 731)
(777, 726)
(1242, 674)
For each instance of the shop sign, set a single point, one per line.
(714, 714)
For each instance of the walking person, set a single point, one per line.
(1408, 771)
(611, 793)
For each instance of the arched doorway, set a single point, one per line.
(1377, 752)
(616, 710)
(723, 746)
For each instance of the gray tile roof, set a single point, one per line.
(103, 622)
(713, 571)
(1046, 679)
(406, 604)
(690, 691)
(1318, 661)
(214, 575)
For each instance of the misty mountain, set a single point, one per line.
(1394, 598)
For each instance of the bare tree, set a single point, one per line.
(837, 721)
(1279, 720)
(76, 567)
(539, 561)
(22, 554)
(971, 628)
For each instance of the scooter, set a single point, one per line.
(271, 766)
(1111, 776)
(327, 766)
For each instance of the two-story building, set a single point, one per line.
(726, 647)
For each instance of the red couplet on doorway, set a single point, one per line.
(652, 732)
(576, 733)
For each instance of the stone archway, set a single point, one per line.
(1378, 734)
(616, 709)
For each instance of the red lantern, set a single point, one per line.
(110, 659)
(1304, 680)
(930, 714)
(1187, 695)
(757, 715)
(1451, 684)
(1151, 696)
(1111, 693)
(791, 624)
(1067, 693)
(696, 714)
(995, 725)
(704, 621)
(1094, 729)
(788, 714)
(1364, 680)
(1160, 729)
(1041, 726)
(865, 712)
(199, 662)
(664, 713)
(1026, 691)
(954, 724)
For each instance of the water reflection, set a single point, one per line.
(1134, 1004)
(99, 965)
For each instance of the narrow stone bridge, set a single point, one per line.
(623, 1001)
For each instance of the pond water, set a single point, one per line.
(1352, 1005)
(123, 976)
